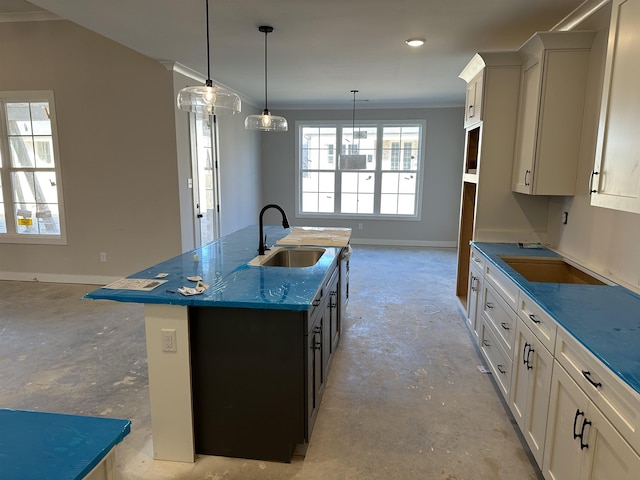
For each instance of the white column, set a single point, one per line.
(169, 383)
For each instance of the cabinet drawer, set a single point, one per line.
(619, 402)
(477, 259)
(501, 316)
(539, 321)
(503, 285)
(497, 359)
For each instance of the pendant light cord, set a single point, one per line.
(208, 47)
(353, 125)
(266, 106)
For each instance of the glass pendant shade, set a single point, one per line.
(208, 99)
(266, 122)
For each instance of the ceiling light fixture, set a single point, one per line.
(265, 121)
(208, 99)
(354, 160)
(415, 42)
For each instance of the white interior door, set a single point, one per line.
(206, 179)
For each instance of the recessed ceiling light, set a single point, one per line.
(415, 42)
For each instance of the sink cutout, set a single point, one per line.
(296, 257)
(549, 270)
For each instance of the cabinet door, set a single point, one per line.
(473, 104)
(610, 457)
(568, 407)
(474, 308)
(530, 386)
(615, 182)
(527, 129)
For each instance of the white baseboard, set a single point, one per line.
(401, 243)
(58, 278)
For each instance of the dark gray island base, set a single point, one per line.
(257, 375)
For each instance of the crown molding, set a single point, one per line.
(37, 16)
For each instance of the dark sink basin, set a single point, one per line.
(552, 270)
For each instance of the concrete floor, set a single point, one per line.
(405, 398)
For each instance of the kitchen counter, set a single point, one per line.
(258, 319)
(604, 318)
(223, 265)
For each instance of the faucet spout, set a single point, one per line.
(262, 243)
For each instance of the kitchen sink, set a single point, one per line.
(550, 270)
(289, 257)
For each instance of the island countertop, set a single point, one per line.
(603, 318)
(223, 265)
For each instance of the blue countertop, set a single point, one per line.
(223, 265)
(604, 318)
(37, 445)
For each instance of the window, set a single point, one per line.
(30, 183)
(376, 174)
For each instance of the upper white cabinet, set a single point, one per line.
(550, 110)
(473, 104)
(615, 181)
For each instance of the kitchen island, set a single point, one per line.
(239, 369)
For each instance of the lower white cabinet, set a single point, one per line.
(498, 360)
(474, 300)
(581, 444)
(530, 386)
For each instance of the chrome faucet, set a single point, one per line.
(262, 241)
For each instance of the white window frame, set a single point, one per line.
(339, 124)
(6, 170)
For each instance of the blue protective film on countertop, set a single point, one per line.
(53, 446)
(223, 265)
(604, 318)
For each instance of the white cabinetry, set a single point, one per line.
(549, 128)
(615, 181)
(580, 420)
(581, 443)
(530, 386)
(473, 104)
(474, 298)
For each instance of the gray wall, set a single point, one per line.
(442, 173)
(124, 155)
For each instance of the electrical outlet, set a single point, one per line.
(103, 257)
(168, 336)
(359, 226)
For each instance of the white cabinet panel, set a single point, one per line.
(615, 182)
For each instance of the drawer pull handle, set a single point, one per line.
(587, 375)
(501, 369)
(477, 260)
(485, 343)
(525, 358)
(533, 318)
(315, 303)
(575, 422)
(505, 325)
(489, 305)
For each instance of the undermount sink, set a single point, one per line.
(550, 270)
(289, 257)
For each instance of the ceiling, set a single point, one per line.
(320, 50)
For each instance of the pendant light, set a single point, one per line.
(208, 99)
(265, 121)
(354, 161)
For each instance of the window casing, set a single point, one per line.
(377, 172)
(31, 208)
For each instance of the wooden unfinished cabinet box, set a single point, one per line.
(615, 181)
(552, 91)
